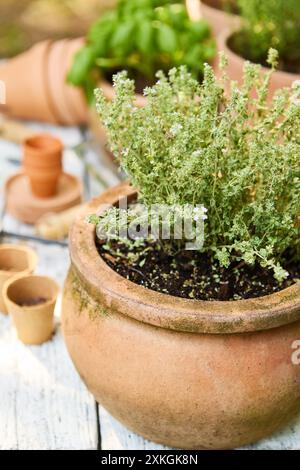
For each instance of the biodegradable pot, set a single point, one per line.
(42, 162)
(211, 10)
(15, 260)
(185, 373)
(236, 63)
(34, 324)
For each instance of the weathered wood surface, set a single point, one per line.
(43, 403)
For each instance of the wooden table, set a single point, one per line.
(43, 403)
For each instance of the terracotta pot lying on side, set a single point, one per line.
(42, 161)
(218, 19)
(236, 63)
(185, 373)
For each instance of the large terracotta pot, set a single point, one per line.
(211, 11)
(236, 63)
(185, 373)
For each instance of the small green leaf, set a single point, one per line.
(144, 38)
(166, 38)
(122, 37)
(82, 64)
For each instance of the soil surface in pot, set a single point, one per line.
(238, 43)
(32, 302)
(195, 275)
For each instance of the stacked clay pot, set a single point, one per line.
(42, 162)
(36, 87)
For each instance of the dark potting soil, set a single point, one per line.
(195, 275)
(33, 302)
(238, 44)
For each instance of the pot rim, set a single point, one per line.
(102, 284)
(54, 145)
(223, 40)
(21, 277)
(31, 254)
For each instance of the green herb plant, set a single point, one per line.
(143, 36)
(236, 155)
(270, 23)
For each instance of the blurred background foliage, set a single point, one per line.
(24, 22)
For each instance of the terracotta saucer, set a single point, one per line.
(24, 206)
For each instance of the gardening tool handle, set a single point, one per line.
(14, 131)
(55, 226)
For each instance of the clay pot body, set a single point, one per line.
(26, 88)
(34, 324)
(218, 19)
(42, 161)
(36, 86)
(15, 260)
(184, 373)
(236, 63)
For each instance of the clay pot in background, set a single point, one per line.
(30, 300)
(189, 374)
(42, 162)
(36, 87)
(14, 260)
(236, 63)
(218, 19)
(26, 85)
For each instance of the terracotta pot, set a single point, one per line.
(34, 324)
(218, 19)
(236, 63)
(42, 161)
(26, 85)
(189, 374)
(15, 260)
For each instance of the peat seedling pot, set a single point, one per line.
(15, 260)
(185, 373)
(279, 79)
(42, 161)
(30, 300)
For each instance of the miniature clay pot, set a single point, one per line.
(236, 63)
(15, 260)
(30, 300)
(42, 162)
(185, 373)
(25, 80)
(211, 10)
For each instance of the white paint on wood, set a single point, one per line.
(43, 404)
(114, 436)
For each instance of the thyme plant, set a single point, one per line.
(236, 155)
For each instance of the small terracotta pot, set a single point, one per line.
(26, 85)
(15, 260)
(186, 373)
(42, 162)
(35, 323)
(218, 19)
(236, 63)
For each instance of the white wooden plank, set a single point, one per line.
(43, 404)
(114, 436)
